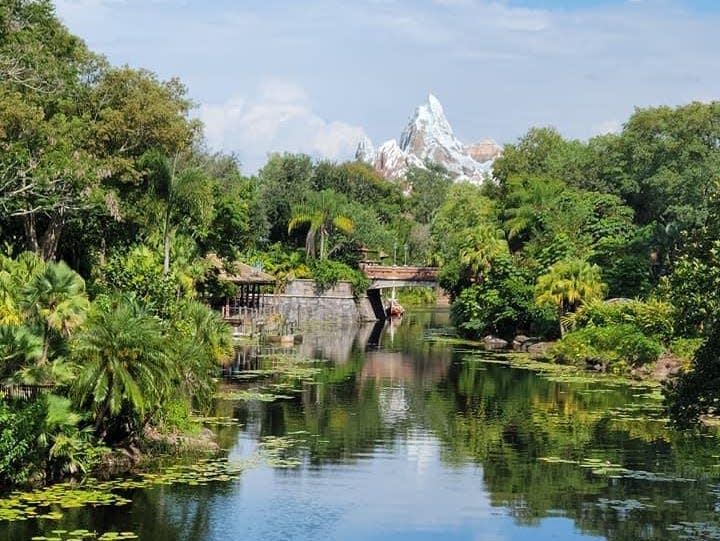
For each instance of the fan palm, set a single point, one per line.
(567, 284)
(322, 212)
(14, 275)
(55, 301)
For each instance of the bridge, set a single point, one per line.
(386, 277)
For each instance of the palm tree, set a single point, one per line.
(184, 190)
(19, 348)
(479, 247)
(567, 284)
(15, 274)
(322, 212)
(124, 366)
(529, 198)
(201, 342)
(55, 302)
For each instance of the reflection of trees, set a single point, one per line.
(506, 420)
(172, 513)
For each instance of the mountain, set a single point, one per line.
(429, 137)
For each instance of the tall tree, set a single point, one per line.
(184, 192)
(322, 212)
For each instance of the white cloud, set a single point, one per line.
(498, 67)
(276, 118)
(609, 126)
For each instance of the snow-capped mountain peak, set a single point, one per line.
(428, 136)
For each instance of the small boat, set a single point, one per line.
(394, 309)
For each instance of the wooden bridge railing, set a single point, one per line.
(384, 272)
(23, 392)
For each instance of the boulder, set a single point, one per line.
(522, 342)
(493, 342)
(540, 349)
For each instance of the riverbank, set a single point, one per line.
(651, 374)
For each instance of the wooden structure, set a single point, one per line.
(252, 283)
(391, 277)
(384, 276)
(23, 392)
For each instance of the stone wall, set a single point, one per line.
(302, 302)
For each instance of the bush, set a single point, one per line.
(21, 455)
(616, 346)
(501, 303)
(696, 391)
(139, 271)
(327, 273)
(651, 318)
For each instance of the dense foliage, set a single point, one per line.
(113, 210)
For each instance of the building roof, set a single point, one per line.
(240, 273)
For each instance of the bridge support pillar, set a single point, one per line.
(376, 303)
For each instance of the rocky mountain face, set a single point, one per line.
(429, 137)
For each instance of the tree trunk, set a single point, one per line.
(51, 238)
(31, 241)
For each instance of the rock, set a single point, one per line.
(519, 341)
(483, 151)
(666, 367)
(428, 136)
(522, 342)
(540, 349)
(493, 342)
(595, 365)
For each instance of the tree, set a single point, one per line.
(124, 369)
(429, 187)
(567, 284)
(283, 181)
(528, 202)
(41, 304)
(479, 247)
(322, 212)
(185, 194)
(56, 301)
(542, 152)
(696, 392)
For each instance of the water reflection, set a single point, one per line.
(403, 438)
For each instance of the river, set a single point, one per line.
(406, 438)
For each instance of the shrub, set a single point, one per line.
(139, 271)
(21, 455)
(501, 303)
(616, 346)
(652, 318)
(327, 273)
(696, 391)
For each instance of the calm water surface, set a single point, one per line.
(409, 439)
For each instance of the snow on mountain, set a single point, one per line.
(429, 137)
(366, 151)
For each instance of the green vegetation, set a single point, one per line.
(612, 243)
(111, 206)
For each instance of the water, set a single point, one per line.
(408, 439)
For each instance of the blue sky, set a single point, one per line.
(316, 75)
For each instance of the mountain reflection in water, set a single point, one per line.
(402, 438)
